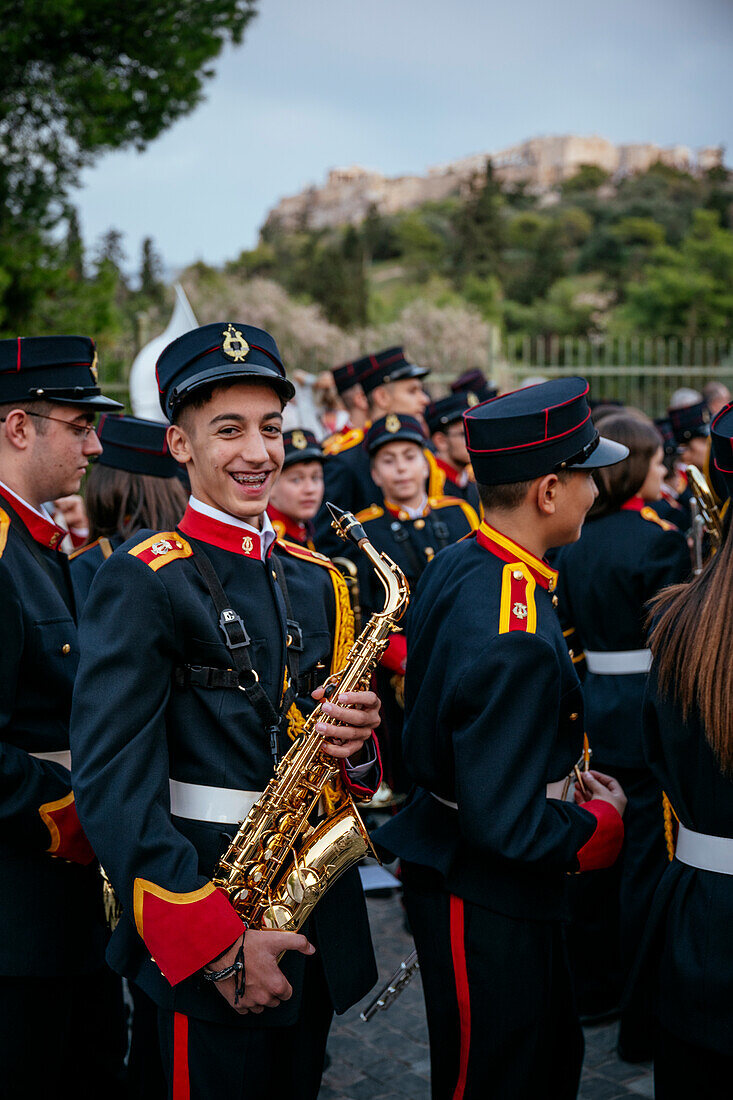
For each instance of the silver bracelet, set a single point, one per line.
(220, 975)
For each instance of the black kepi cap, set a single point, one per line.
(226, 351)
(394, 428)
(690, 421)
(138, 446)
(535, 431)
(664, 426)
(349, 374)
(62, 369)
(447, 410)
(474, 381)
(721, 442)
(389, 365)
(301, 446)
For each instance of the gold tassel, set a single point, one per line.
(669, 819)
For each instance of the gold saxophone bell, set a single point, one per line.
(284, 858)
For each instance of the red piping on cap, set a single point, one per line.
(18, 363)
(533, 443)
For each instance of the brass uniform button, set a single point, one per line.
(517, 574)
(66, 649)
(419, 524)
(571, 654)
(554, 601)
(574, 717)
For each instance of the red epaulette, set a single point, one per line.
(160, 549)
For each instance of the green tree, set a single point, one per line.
(589, 177)
(151, 272)
(479, 229)
(422, 248)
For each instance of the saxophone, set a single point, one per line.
(706, 518)
(281, 863)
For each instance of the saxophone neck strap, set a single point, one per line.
(238, 643)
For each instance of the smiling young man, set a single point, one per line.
(214, 639)
(53, 933)
(493, 714)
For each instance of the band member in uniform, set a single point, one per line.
(133, 484)
(348, 388)
(53, 931)
(392, 384)
(493, 714)
(691, 428)
(688, 743)
(174, 745)
(298, 492)
(624, 556)
(474, 381)
(444, 419)
(674, 504)
(411, 528)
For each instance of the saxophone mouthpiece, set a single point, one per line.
(346, 524)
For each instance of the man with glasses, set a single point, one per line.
(53, 933)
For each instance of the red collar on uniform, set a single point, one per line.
(509, 551)
(399, 513)
(217, 533)
(456, 477)
(634, 505)
(287, 526)
(42, 530)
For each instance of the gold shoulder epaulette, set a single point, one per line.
(372, 512)
(279, 528)
(651, 515)
(338, 444)
(305, 554)
(83, 549)
(456, 502)
(4, 528)
(162, 548)
(436, 476)
(518, 610)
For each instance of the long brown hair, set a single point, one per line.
(121, 503)
(692, 641)
(619, 483)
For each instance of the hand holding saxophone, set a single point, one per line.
(604, 788)
(357, 713)
(265, 984)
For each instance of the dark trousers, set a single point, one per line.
(62, 1034)
(203, 1060)
(610, 909)
(145, 1077)
(499, 999)
(683, 1070)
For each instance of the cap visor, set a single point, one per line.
(607, 453)
(100, 403)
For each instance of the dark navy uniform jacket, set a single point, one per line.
(692, 915)
(493, 712)
(138, 722)
(84, 564)
(606, 578)
(52, 920)
(455, 486)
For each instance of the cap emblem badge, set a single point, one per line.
(299, 441)
(234, 344)
(247, 544)
(93, 367)
(392, 423)
(520, 610)
(471, 399)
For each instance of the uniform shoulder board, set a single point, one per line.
(162, 548)
(651, 515)
(372, 512)
(279, 528)
(4, 528)
(456, 502)
(103, 543)
(436, 476)
(302, 552)
(517, 610)
(338, 444)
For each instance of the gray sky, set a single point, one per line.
(399, 85)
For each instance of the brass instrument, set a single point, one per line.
(350, 573)
(280, 863)
(391, 991)
(575, 777)
(706, 519)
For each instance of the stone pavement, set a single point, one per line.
(388, 1058)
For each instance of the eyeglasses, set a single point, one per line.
(81, 431)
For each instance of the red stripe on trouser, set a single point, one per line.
(458, 951)
(181, 1085)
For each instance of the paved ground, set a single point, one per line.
(388, 1057)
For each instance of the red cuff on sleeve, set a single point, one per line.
(183, 932)
(358, 790)
(603, 846)
(67, 836)
(395, 655)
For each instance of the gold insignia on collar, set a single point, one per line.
(247, 544)
(520, 610)
(392, 423)
(299, 441)
(234, 344)
(94, 368)
(472, 399)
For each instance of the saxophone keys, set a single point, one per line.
(277, 917)
(256, 874)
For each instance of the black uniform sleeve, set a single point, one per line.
(339, 489)
(667, 562)
(121, 770)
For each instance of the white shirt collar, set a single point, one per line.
(44, 513)
(266, 533)
(416, 513)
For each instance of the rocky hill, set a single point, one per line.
(540, 165)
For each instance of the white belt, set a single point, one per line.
(219, 804)
(63, 756)
(445, 802)
(619, 662)
(707, 853)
